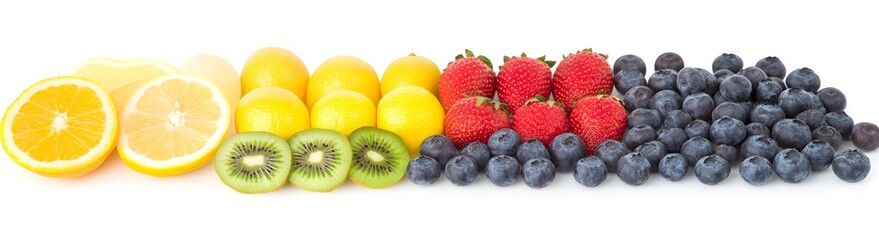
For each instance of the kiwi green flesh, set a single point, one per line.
(253, 162)
(380, 157)
(321, 159)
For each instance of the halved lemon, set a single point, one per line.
(172, 125)
(60, 127)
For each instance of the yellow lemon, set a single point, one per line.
(343, 111)
(221, 73)
(411, 112)
(172, 125)
(60, 127)
(271, 109)
(411, 71)
(122, 78)
(277, 67)
(340, 73)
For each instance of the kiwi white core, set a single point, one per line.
(316, 157)
(374, 156)
(255, 160)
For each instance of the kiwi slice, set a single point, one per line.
(380, 157)
(253, 162)
(321, 159)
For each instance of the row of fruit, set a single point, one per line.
(682, 117)
(317, 130)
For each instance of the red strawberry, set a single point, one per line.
(467, 76)
(598, 118)
(475, 119)
(540, 119)
(522, 78)
(581, 74)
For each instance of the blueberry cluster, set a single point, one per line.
(505, 159)
(772, 121)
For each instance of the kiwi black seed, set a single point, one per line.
(321, 159)
(253, 162)
(380, 157)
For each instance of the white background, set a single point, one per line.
(42, 39)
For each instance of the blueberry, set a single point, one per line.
(772, 66)
(736, 88)
(633, 169)
(423, 170)
(653, 151)
(803, 78)
(669, 60)
(696, 148)
(531, 149)
(478, 152)
(728, 61)
(791, 133)
(729, 109)
(590, 171)
(630, 61)
(760, 145)
(794, 101)
(698, 128)
(645, 117)
(756, 128)
(504, 142)
(832, 99)
(637, 97)
(666, 101)
(865, 136)
(730, 153)
(768, 91)
(690, 81)
(841, 121)
(747, 106)
(767, 114)
(711, 82)
(699, 106)
(628, 78)
(538, 173)
(820, 154)
(756, 170)
(816, 102)
(829, 135)
(851, 165)
(610, 151)
(672, 139)
(502, 170)
(813, 118)
(673, 167)
(634, 137)
(665, 79)
(461, 170)
(439, 147)
(677, 119)
(728, 131)
(753, 74)
(564, 150)
(791, 166)
(712, 169)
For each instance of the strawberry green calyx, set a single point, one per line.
(490, 102)
(540, 98)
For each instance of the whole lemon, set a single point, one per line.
(340, 73)
(274, 66)
(411, 112)
(343, 111)
(411, 71)
(271, 109)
